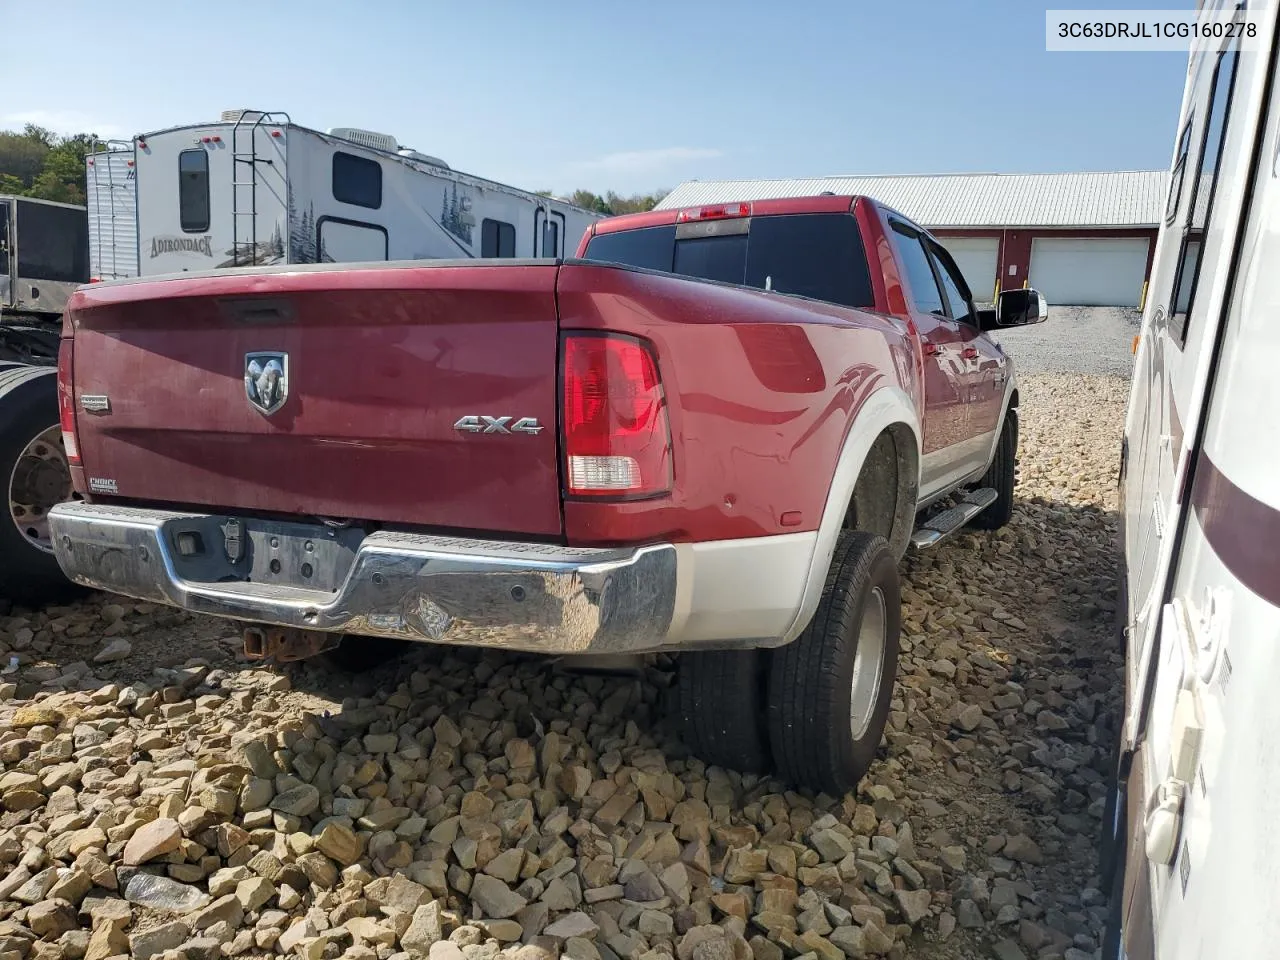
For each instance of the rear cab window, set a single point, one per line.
(814, 255)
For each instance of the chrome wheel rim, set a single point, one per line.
(868, 664)
(39, 481)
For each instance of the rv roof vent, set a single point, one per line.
(423, 158)
(366, 138)
(232, 116)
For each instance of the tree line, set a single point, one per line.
(39, 163)
(611, 204)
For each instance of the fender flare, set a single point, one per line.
(887, 407)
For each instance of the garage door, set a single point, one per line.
(976, 258)
(1095, 273)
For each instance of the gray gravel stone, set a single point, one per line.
(148, 943)
(1007, 950)
(495, 898)
(1052, 347)
(476, 799)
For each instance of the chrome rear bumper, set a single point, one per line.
(522, 596)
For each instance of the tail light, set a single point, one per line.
(67, 403)
(617, 440)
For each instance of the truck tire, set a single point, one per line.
(720, 700)
(34, 475)
(829, 690)
(1001, 476)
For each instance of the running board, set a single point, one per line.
(940, 526)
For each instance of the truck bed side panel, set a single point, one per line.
(762, 390)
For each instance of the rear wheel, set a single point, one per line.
(829, 690)
(1001, 476)
(720, 699)
(36, 477)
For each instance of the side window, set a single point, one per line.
(357, 180)
(1179, 173)
(550, 239)
(53, 242)
(924, 286)
(4, 238)
(953, 286)
(346, 241)
(1203, 187)
(193, 190)
(497, 238)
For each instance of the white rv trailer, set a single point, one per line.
(111, 194)
(256, 188)
(1194, 853)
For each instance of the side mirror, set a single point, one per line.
(1017, 308)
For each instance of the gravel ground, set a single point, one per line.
(465, 805)
(1076, 340)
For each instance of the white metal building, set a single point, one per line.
(1079, 238)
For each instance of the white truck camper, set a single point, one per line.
(255, 188)
(1193, 856)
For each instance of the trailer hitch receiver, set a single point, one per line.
(285, 644)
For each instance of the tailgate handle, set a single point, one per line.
(258, 310)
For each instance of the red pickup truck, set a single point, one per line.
(714, 433)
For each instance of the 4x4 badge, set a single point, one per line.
(266, 380)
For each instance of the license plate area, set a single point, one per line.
(248, 550)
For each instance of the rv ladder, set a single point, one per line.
(244, 239)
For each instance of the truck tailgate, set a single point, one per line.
(380, 368)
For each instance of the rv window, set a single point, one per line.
(193, 190)
(550, 239)
(53, 243)
(346, 241)
(1203, 187)
(1179, 173)
(357, 180)
(497, 239)
(4, 238)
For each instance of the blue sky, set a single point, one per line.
(613, 95)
